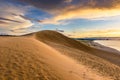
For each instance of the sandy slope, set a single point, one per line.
(106, 63)
(52, 37)
(26, 58)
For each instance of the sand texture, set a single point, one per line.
(48, 55)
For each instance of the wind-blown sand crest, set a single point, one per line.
(40, 57)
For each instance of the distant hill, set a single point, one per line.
(99, 38)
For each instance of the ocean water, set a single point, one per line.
(110, 43)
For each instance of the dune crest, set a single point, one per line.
(106, 63)
(28, 58)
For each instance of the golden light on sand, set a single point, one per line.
(50, 55)
(53, 39)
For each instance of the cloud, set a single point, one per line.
(13, 16)
(68, 1)
(4, 19)
(98, 33)
(92, 14)
(3, 22)
(59, 4)
(72, 9)
(10, 16)
(46, 4)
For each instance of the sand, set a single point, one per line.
(29, 58)
(104, 62)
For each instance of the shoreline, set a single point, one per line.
(101, 46)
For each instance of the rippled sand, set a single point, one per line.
(27, 58)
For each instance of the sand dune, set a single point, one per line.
(52, 37)
(106, 63)
(40, 57)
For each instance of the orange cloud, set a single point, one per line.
(85, 13)
(98, 33)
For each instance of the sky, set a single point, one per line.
(75, 18)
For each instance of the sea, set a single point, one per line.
(110, 43)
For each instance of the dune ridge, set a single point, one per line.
(107, 63)
(39, 56)
(57, 38)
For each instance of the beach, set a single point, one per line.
(115, 44)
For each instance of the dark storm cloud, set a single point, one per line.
(60, 4)
(46, 4)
